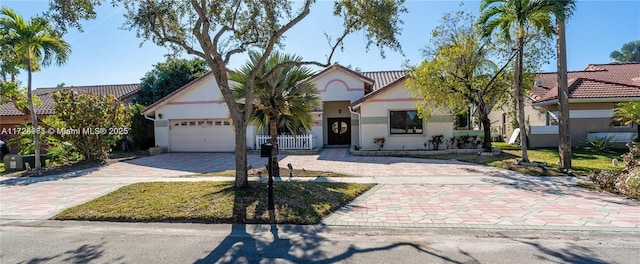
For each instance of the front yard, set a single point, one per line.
(217, 202)
(584, 161)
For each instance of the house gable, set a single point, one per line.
(375, 118)
(337, 83)
(189, 101)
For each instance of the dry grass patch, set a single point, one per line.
(284, 172)
(217, 202)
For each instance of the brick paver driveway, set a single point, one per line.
(413, 193)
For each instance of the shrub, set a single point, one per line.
(600, 143)
(626, 182)
(139, 133)
(99, 122)
(629, 184)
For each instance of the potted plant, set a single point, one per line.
(380, 142)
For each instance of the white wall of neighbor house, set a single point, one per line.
(337, 85)
(375, 121)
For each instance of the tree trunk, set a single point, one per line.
(242, 180)
(486, 126)
(563, 97)
(520, 95)
(273, 132)
(34, 117)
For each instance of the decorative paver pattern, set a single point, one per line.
(508, 206)
(339, 160)
(411, 192)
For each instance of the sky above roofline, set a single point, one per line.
(105, 54)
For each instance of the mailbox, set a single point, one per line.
(268, 150)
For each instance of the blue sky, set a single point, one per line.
(105, 54)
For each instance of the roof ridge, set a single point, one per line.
(607, 82)
(88, 86)
(613, 63)
(580, 71)
(385, 71)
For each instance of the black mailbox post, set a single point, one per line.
(269, 150)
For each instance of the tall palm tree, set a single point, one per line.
(285, 100)
(630, 52)
(628, 114)
(514, 17)
(561, 10)
(36, 45)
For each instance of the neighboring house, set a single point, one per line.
(10, 117)
(593, 94)
(356, 108)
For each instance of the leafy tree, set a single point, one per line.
(628, 114)
(217, 30)
(514, 17)
(35, 44)
(459, 73)
(167, 77)
(561, 10)
(630, 52)
(282, 102)
(99, 122)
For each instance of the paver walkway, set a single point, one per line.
(490, 206)
(413, 192)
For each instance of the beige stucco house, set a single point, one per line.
(593, 94)
(356, 108)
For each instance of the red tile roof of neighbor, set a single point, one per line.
(595, 81)
(121, 91)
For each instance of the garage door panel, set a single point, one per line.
(201, 136)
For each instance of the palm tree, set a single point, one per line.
(285, 100)
(562, 9)
(513, 17)
(630, 52)
(36, 44)
(628, 114)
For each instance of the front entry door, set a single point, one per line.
(339, 131)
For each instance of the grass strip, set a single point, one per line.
(217, 202)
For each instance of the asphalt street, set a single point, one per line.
(100, 242)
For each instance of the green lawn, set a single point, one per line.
(217, 202)
(583, 161)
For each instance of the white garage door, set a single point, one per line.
(201, 136)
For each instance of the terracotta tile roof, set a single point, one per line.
(384, 78)
(595, 81)
(121, 91)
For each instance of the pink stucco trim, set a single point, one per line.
(197, 102)
(326, 86)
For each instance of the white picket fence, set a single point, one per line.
(288, 141)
